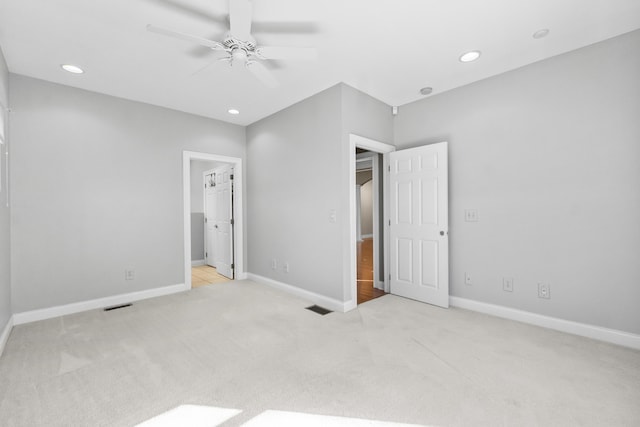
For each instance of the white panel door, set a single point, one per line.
(224, 221)
(210, 219)
(418, 224)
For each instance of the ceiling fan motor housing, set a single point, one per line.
(232, 43)
(239, 50)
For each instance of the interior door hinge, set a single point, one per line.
(205, 219)
(389, 168)
(389, 222)
(206, 254)
(231, 177)
(232, 221)
(233, 266)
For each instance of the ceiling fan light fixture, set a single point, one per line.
(74, 69)
(239, 55)
(233, 111)
(470, 56)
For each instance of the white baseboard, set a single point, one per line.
(321, 300)
(197, 262)
(350, 305)
(242, 276)
(5, 334)
(62, 310)
(613, 336)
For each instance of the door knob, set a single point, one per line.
(442, 233)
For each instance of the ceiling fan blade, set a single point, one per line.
(261, 72)
(275, 52)
(209, 64)
(300, 27)
(240, 19)
(200, 13)
(183, 36)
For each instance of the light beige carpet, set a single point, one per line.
(244, 346)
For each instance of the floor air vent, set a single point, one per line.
(320, 310)
(115, 307)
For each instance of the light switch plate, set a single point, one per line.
(507, 284)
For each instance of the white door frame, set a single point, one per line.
(238, 245)
(351, 287)
(372, 159)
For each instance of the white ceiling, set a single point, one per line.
(386, 48)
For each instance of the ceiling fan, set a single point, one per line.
(239, 45)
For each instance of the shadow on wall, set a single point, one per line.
(197, 236)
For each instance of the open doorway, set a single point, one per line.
(378, 151)
(213, 219)
(369, 232)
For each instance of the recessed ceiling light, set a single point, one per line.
(233, 111)
(470, 56)
(541, 33)
(426, 90)
(72, 68)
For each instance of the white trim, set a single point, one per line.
(77, 307)
(377, 268)
(370, 144)
(321, 300)
(358, 213)
(197, 263)
(4, 337)
(238, 210)
(351, 284)
(613, 336)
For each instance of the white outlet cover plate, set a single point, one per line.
(471, 215)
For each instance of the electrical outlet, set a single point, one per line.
(544, 290)
(129, 274)
(467, 278)
(507, 284)
(274, 264)
(471, 215)
(285, 267)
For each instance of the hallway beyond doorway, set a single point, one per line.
(366, 291)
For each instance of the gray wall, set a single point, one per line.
(365, 116)
(197, 236)
(289, 216)
(96, 189)
(5, 245)
(549, 154)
